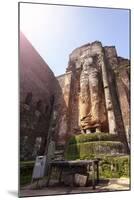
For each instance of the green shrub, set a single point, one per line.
(26, 169)
(24, 180)
(115, 167)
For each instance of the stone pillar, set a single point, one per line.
(67, 88)
(108, 100)
(64, 118)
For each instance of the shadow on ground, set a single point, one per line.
(13, 193)
(55, 188)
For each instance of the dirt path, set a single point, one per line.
(54, 188)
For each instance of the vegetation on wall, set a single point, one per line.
(92, 137)
(107, 147)
(26, 169)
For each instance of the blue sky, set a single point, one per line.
(55, 31)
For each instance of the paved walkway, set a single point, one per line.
(55, 188)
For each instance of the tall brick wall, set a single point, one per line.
(37, 84)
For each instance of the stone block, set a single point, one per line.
(72, 179)
(80, 180)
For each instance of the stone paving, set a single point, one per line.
(54, 188)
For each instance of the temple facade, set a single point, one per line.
(95, 93)
(92, 96)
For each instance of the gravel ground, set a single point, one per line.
(54, 188)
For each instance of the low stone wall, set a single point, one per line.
(114, 162)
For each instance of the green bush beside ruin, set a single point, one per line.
(115, 166)
(26, 169)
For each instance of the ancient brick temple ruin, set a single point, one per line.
(92, 96)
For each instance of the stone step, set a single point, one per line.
(59, 152)
(60, 147)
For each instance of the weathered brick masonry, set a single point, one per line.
(92, 95)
